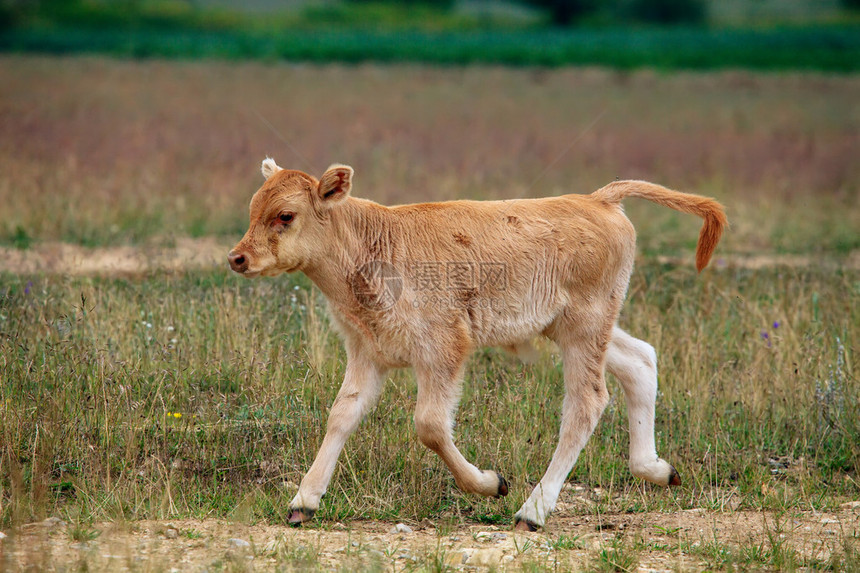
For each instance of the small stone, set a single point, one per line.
(171, 533)
(52, 522)
(457, 558)
(2, 535)
(851, 505)
(487, 536)
(401, 528)
(484, 558)
(238, 543)
(590, 541)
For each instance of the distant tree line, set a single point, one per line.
(558, 12)
(572, 12)
(568, 12)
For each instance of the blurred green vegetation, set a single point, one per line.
(567, 12)
(621, 34)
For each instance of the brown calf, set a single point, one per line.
(423, 285)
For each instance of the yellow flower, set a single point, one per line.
(177, 414)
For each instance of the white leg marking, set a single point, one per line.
(634, 363)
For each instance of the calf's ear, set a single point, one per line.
(269, 167)
(335, 183)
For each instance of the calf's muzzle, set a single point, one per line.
(238, 261)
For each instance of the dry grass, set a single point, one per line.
(92, 370)
(95, 370)
(103, 152)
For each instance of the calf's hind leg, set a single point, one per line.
(634, 363)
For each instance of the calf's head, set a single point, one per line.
(290, 219)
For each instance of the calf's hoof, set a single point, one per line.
(503, 486)
(525, 525)
(674, 478)
(299, 516)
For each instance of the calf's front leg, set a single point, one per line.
(360, 391)
(438, 394)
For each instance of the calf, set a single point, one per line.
(424, 285)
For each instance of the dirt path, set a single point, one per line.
(66, 259)
(211, 253)
(687, 540)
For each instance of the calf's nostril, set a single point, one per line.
(238, 262)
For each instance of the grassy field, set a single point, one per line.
(171, 396)
(206, 395)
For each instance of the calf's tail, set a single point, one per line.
(705, 207)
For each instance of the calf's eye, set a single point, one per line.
(286, 218)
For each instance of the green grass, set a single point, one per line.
(833, 48)
(94, 371)
(390, 32)
(615, 557)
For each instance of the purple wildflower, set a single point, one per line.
(775, 324)
(28, 287)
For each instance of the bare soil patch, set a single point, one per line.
(67, 259)
(660, 542)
